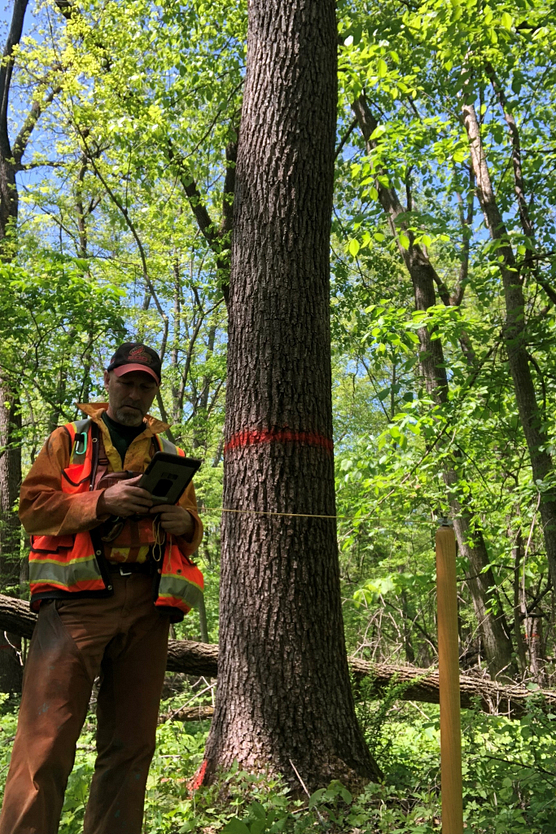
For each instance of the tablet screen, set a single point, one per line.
(167, 476)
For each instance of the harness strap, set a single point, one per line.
(81, 438)
(102, 462)
(95, 440)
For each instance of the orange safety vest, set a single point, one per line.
(71, 565)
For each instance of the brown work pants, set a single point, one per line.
(124, 639)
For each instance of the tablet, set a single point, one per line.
(167, 476)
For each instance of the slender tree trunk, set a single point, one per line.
(10, 528)
(515, 336)
(10, 413)
(8, 206)
(203, 627)
(10, 481)
(284, 701)
(200, 426)
(520, 602)
(8, 166)
(408, 616)
(176, 411)
(489, 612)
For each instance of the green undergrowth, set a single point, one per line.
(509, 778)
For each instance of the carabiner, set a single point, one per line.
(80, 444)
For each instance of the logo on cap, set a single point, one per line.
(139, 354)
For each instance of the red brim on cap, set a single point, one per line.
(128, 369)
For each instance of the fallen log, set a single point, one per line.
(192, 658)
(16, 617)
(422, 685)
(411, 683)
(201, 712)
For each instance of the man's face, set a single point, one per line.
(129, 396)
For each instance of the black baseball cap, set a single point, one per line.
(133, 356)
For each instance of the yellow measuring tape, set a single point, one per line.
(268, 512)
(215, 510)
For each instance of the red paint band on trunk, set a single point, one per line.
(255, 437)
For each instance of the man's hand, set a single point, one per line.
(175, 520)
(124, 499)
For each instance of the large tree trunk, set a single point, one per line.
(515, 336)
(493, 628)
(284, 701)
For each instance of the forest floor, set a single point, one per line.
(509, 778)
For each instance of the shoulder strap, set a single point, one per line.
(100, 462)
(80, 438)
(88, 442)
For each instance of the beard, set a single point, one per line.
(129, 416)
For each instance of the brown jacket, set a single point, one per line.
(46, 510)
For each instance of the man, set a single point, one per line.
(108, 573)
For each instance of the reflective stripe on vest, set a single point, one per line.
(82, 574)
(64, 563)
(181, 582)
(180, 589)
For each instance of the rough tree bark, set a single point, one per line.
(515, 337)
(495, 637)
(284, 701)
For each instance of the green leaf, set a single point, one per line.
(382, 68)
(257, 810)
(353, 247)
(316, 797)
(235, 826)
(346, 796)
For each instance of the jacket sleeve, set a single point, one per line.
(189, 502)
(44, 509)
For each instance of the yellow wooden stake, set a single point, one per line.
(448, 669)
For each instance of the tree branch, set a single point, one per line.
(217, 237)
(131, 226)
(6, 70)
(66, 8)
(22, 140)
(344, 139)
